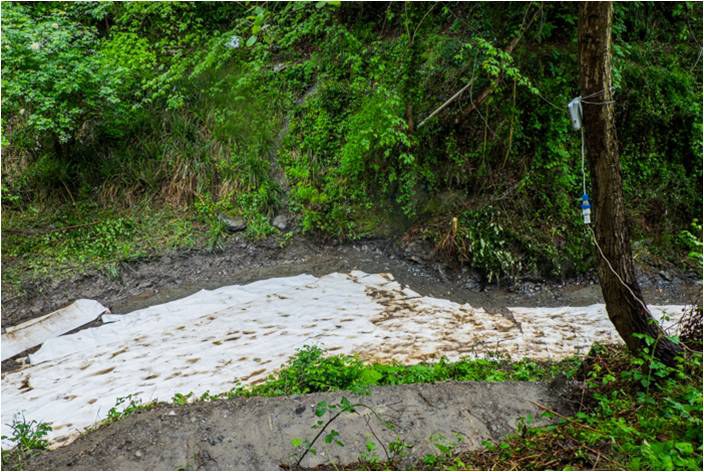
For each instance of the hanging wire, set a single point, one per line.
(549, 102)
(598, 92)
(593, 235)
(584, 175)
(607, 102)
(603, 256)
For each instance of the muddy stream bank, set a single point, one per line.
(172, 276)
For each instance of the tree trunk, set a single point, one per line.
(624, 306)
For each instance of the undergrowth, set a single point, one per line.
(314, 109)
(634, 412)
(29, 437)
(44, 242)
(310, 370)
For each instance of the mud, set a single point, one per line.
(161, 279)
(256, 433)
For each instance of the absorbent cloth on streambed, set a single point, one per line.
(34, 332)
(214, 339)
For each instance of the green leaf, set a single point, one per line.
(321, 408)
(370, 376)
(296, 442)
(250, 42)
(331, 436)
(346, 405)
(684, 447)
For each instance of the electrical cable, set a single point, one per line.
(593, 235)
(607, 102)
(597, 93)
(584, 175)
(603, 256)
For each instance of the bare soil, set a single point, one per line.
(171, 276)
(257, 433)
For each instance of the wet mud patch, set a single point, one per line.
(161, 279)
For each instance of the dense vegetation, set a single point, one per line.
(129, 126)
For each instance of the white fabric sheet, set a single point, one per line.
(214, 339)
(19, 338)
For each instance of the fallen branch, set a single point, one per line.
(566, 418)
(487, 91)
(447, 102)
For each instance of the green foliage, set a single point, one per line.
(54, 242)
(28, 438)
(636, 413)
(310, 370)
(692, 241)
(180, 399)
(483, 243)
(245, 108)
(125, 406)
(57, 84)
(447, 452)
(640, 415)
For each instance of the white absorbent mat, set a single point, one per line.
(19, 338)
(213, 339)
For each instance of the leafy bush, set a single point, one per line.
(28, 437)
(638, 414)
(310, 370)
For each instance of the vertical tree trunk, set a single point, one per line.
(625, 310)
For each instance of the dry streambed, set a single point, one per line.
(214, 339)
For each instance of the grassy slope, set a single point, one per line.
(348, 158)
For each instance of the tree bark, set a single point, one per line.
(625, 309)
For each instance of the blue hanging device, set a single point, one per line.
(575, 109)
(586, 209)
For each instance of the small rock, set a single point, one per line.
(138, 454)
(232, 224)
(172, 413)
(280, 222)
(419, 251)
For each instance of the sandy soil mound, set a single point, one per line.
(256, 433)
